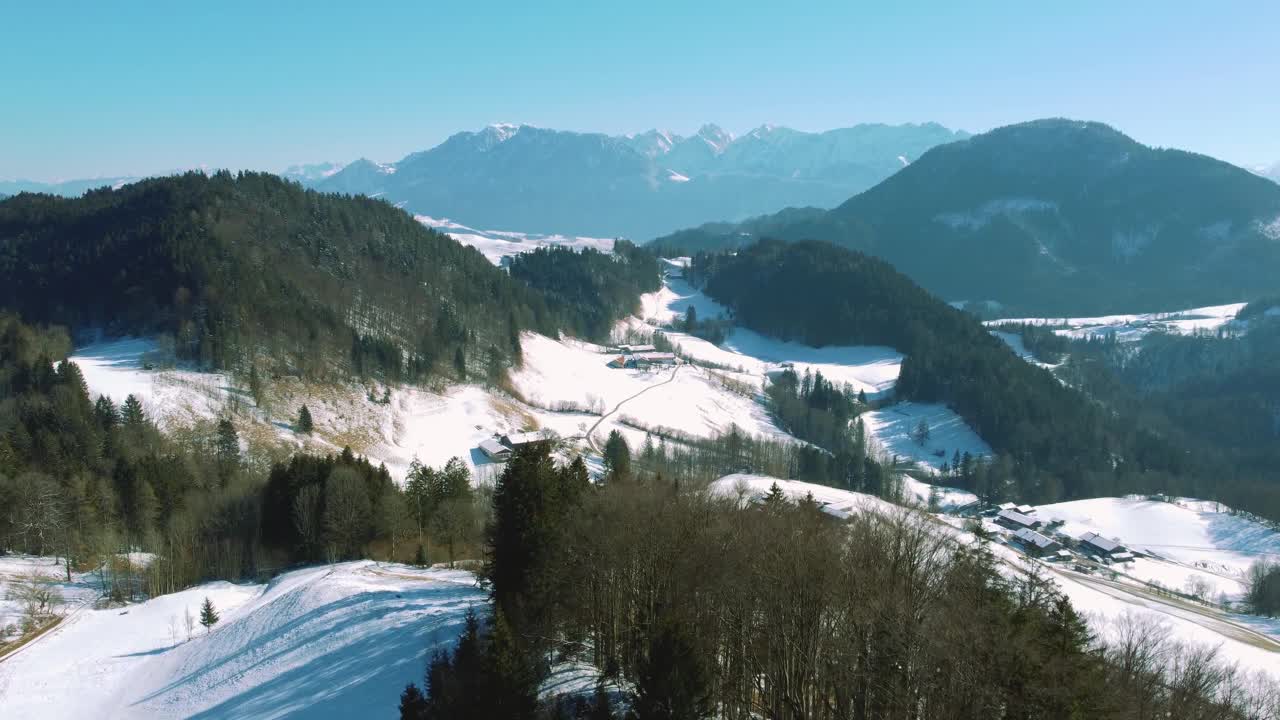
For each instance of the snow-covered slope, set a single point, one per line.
(1193, 532)
(566, 374)
(872, 369)
(325, 642)
(891, 429)
(498, 244)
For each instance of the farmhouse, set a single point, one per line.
(644, 360)
(517, 440)
(1095, 544)
(1037, 544)
(650, 359)
(634, 349)
(1015, 520)
(499, 448)
(495, 450)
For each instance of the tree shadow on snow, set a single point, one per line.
(366, 669)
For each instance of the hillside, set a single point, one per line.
(1053, 217)
(236, 271)
(550, 181)
(1052, 441)
(329, 641)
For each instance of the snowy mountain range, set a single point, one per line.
(1271, 173)
(638, 186)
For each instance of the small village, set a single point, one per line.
(1023, 529)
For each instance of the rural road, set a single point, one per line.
(591, 440)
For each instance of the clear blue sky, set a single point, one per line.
(113, 88)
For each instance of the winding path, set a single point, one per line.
(591, 441)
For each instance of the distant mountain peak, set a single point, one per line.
(503, 131)
(715, 136)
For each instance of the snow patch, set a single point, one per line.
(980, 217)
(496, 245)
(890, 432)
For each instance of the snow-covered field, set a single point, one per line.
(173, 396)
(498, 244)
(336, 641)
(890, 431)
(674, 300)
(948, 498)
(1129, 328)
(558, 373)
(1192, 532)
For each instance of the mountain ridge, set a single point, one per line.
(1049, 217)
(546, 180)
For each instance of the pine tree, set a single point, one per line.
(227, 444)
(305, 423)
(862, 397)
(617, 457)
(104, 411)
(255, 385)
(514, 689)
(208, 615)
(413, 706)
(690, 320)
(776, 499)
(921, 432)
(132, 414)
(460, 363)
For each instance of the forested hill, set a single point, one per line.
(1053, 217)
(246, 267)
(1053, 441)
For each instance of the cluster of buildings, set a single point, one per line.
(1041, 538)
(641, 357)
(500, 447)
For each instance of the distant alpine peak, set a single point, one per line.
(716, 137)
(503, 131)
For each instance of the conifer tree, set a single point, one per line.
(104, 411)
(132, 414)
(208, 615)
(413, 706)
(227, 444)
(617, 457)
(775, 499)
(305, 423)
(460, 363)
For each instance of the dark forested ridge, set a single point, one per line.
(238, 267)
(1215, 394)
(1052, 217)
(1054, 442)
(589, 290)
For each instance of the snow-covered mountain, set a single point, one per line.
(311, 173)
(640, 185)
(1271, 173)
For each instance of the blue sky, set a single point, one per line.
(113, 88)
